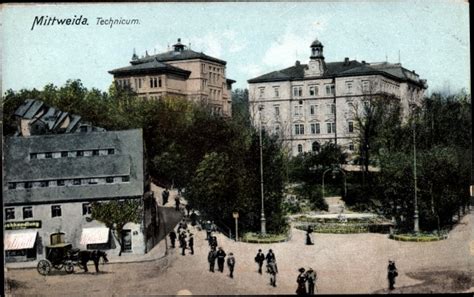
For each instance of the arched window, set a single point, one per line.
(316, 147)
(300, 148)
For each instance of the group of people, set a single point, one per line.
(308, 277)
(272, 268)
(219, 255)
(165, 196)
(183, 243)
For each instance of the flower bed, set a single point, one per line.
(268, 238)
(420, 237)
(348, 226)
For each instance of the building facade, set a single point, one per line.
(52, 179)
(310, 104)
(180, 72)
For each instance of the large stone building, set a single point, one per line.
(180, 72)
(52, 178)
(310, 104)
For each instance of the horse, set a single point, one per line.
(86, 256)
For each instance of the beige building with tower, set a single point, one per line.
(180, 72)
(310, 104)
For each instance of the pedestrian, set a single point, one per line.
(213, 227)
(172, 238)
(392, 274)
(183, 224)
(259, 258)
(311, 276)
(214, 242)
(231, 264)
(165, 195)
(188, 209)
(183, 244)
(309, 230)
(191, 243)
(272, 270)
(220, 259)
(176, 201)
(193, 217)
(301, 280)
(211, 258)
(270, 257)
(208, 231)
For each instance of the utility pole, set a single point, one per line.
(262, 218)
(415, 216)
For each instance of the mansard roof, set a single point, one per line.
(173, 55)
(152, 66)
(127, 160)
(343, 69)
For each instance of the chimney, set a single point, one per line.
(346, 60)
(297, 63)
(363, 62)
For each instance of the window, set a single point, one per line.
(300, 148)
(261, 92)
(139, 83)
(277, 110)
(86, 209)
(277, 91)
(365, 85)
(351, 146)
(48, 155)
(312, 109)
(9, 213)
(79, 153)
(28, 185)
(76, 182)
(332, 108)
(110, 151)
(298, 110)
(93, 181)
(55, 211)
(109, 180)
(315, 129)
(33, 156)
(11, 186)
(349, 87)
(315, 147)
(331, 127)
(159, 83)
(351, 127)
(64, 154)
(125, 179)
(27, 212)
(330, 89)
(60, 182)
(57, 238)
(95, 152)
(299, 129)
(44, 184)
(313, 90)
(151, 82)
(297, 91)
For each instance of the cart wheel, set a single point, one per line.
(44, 267)
(69, 267)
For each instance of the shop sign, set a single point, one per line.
(22, 225)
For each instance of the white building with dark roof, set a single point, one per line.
(310, 104)
(180, 72)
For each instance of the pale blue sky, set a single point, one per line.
(254, 38)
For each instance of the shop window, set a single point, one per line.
(110, 151)
(60, 182)
(95, 152)
(11, 186)
(125, 179)
(76, 182)
(48, 155)
(28, 185)
(57, 238)
(109, 180)
(44, 184)
(27, 212)
(80, 153)
(33, 156)
(64, 154)
(56, 211)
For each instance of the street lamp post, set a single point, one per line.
(415, 215)
(262, 218)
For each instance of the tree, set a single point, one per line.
(116, 214)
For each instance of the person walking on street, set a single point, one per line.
(193, 218)
(231, 264)
(191, 243)
(311, 276)
(221, 259)
(172, 238)
(181, 238)
(183, 244)
(308, 236)
(392, 274)
(214, 242)
(270, 257)
(301, 280)
(165, 195)
(272, 270)
(176, 201)
(211, 258)
(260, 258)
(188, 209)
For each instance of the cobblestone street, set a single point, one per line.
(346, 263)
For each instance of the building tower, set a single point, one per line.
(316, 65)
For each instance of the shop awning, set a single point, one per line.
(19, 240)
(95, 235)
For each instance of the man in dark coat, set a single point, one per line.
(272, 270)
(214, 242)
(308, 235)
(392, 274)
(270, 257)
(172, 238)
(165, 195)
(193, 217)
(183, 244)
(301, 280)
(211, 258)
(191, 243)
(260, 258)
(208, 232)
(221, 259)
(231, 264)
(176, 201)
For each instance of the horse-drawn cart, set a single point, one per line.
(59, 256)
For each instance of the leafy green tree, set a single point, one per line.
(116, 214)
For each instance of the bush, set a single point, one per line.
(313, 194)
